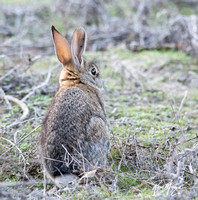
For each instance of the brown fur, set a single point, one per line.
(74, 135)
(68, 78)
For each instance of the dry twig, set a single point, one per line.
(22, 105)
(8, 73)
(42, 84)
(6, 99)
(21, 140)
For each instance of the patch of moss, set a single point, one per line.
(41, 100)
(9, 116)
(25, 146)
(125, 182)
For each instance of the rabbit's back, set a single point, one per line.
(74, 132)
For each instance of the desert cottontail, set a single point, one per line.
(74, 135)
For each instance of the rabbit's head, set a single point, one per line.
(76, 68)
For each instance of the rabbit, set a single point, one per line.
(74, 136)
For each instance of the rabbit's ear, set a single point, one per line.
(62, 47)
(78, 45)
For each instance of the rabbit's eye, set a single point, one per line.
(93, 71)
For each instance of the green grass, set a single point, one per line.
(156, 122)
(148, 114)
(14, 113)
(41, 100)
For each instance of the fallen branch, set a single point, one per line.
(22, 105)
(21, 140)
(41, 85)
(9, 72)
(5, 98)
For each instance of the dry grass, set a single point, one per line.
(153, 140)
